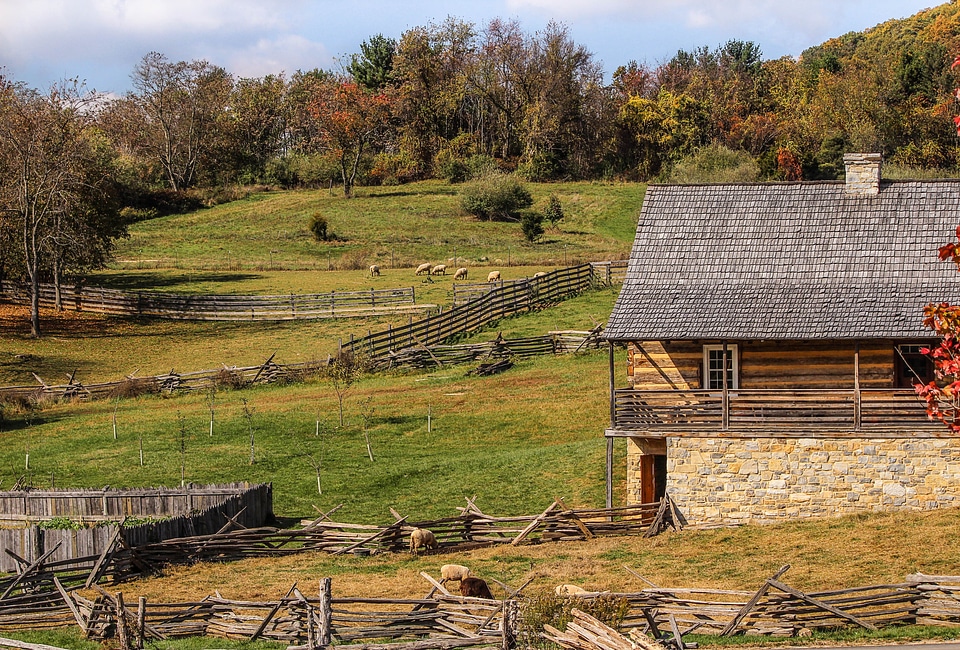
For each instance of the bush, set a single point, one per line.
(495, 196)
(715, 163)
(554, 211)
(555, 611)
(532, 225)
(318, 226)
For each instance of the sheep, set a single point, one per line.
(493, 276)
(570, 590)
(539, 274)
(439, 269)
(475, 587)
(424, 268)
(461, 274)
(421, 537)
(454, 572)
(374, 270)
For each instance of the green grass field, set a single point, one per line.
(391, 226)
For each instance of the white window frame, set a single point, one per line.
(734, 352)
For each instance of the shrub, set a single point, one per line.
(532, 225)
(495, 196)
(318, 226)
(554, 211)
(715, 163)
(555, 611)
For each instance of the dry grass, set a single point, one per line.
(823, 554)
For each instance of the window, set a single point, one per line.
(713, 367)
(911, 366)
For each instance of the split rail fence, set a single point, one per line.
(499, 300)
(150, 304)
(270, 372)
(441, 619)
(401, 346)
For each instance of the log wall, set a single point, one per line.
(763, 364)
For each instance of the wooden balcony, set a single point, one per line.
(798, 413)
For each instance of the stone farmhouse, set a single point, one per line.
(773, 334)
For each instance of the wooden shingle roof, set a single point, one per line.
(787, 261)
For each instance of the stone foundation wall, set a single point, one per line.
(732, 480)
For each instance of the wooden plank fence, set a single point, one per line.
(151, 304)
(504, 299)
(196, 510)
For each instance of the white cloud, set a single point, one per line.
(283, 54)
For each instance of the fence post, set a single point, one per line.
(326, 613)
(141, 620)
(508, 635)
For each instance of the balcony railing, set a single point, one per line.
(840, 411)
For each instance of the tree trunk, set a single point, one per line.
(57, 299)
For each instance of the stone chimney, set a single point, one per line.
(863, 173)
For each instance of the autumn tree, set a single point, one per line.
(350, 121)
(56, 188)
(180, 106)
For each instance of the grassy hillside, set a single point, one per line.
(516, 439)
(391, 226)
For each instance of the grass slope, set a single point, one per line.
(391, 226)
(516, 439)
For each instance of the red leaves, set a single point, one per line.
(955, 63)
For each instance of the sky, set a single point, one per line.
(100, 41)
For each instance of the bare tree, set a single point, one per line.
(343, 373)
(180, 104)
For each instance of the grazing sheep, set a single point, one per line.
(424, 268)
(475, 587)
(570, 590)
(421, 537)
(539, 274)
(374, 270)
(461, 274)
(439, 269)
(454, 572)
(493, 276)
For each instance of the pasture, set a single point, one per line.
(390, 226)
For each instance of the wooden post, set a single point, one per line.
(507, 634)
(856, 386)
(609, 498)
(726, 396)
(123, 634)
(613, 391)
(326, 613)
(141, 620)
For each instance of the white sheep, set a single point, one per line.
(493, 276)
(539, 274)
(461, 274)
(422, 538)
(454, 572)
(439, 269)
(424, 268)
(374, 270)
(570, 590)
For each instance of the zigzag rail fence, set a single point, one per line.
(394, 347)
(443, 620)
(151, 304)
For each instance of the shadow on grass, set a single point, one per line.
(136, 280)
